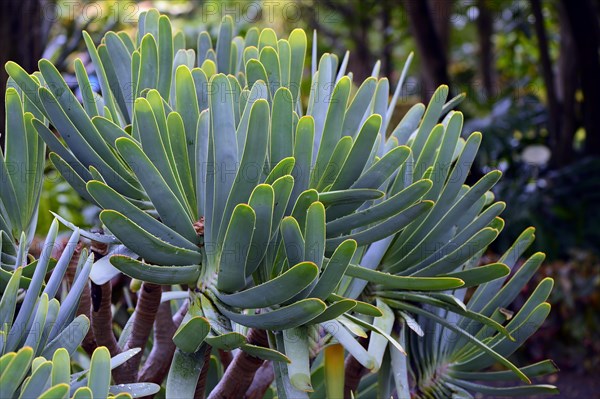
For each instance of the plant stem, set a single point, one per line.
(156, 367)
(85, 301)
(240, 373)
(354, 373)
(102, 317)
(85, 304)
(226, 358)
(262, 381)
(201, 385)
(145, 314)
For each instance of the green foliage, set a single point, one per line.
(49, 376)
(319, 224)
(21, 171)
(34, 325)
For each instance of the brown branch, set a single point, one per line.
(226, 358)
(261, 382)
(85, 301)
(85, 306)
(201, 385)
(145, 313)
(240, 373)
(157, 365)
(178, 318)
(354, 372)
(102, 317)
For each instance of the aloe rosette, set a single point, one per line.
(313, 223)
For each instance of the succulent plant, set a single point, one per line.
(34, 324)
(21, 170)
(41, 378)
(291, 228)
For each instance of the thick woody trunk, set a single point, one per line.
(157, 365)
(240, 373)
(102, 322)
(261, 382)
(144, 316)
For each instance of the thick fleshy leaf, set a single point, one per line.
(262, 202)
(31, 296)
(9, 298)
(297, 40)
(184, 372)
(404, 282)
(224, 141)
(332, 125)
(282, 140)
(293, 240)
(108, 198)
(145, 244)
(482, 274)
(191, 333)
(234, 253)
(275, 291)
(344, 337)
(357, 196)
(253, 158)
(69, 338)
(380, 211)
(384, 229)
(335, 310)
(285, 317)
(265, 353)
(227, 341)
(357, 159)
(134, 390)
(305, 132)
(60, 391)
(377, 342)
(334, 270)
(156, 274)
(296, 345)
(99, 374)
(15, 371)
(34, 386)
(166, 202)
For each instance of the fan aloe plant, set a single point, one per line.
(34, 324)
(290, 229)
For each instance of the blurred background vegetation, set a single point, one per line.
(530, 70)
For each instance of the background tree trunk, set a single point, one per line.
(441, 13)
(24, 27)
(568, 82)
(583, 19)
(485, 29)
(553, 106)
(431, 48)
